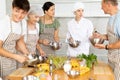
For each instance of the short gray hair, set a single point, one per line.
(113, 2)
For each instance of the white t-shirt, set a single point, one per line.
(35, 31)
(5, 27)
(80, 31)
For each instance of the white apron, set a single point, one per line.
(8, 65)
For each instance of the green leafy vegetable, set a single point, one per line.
(90, 59)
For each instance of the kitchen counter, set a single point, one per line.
(100, 71)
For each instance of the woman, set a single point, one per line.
(32, 36)
(33, 30)
(48, 27)
(79, 29)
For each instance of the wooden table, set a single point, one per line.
(100, 71)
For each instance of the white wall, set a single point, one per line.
(2, 7)
(63, 12)
(64, 7)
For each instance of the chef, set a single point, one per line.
(80, 29)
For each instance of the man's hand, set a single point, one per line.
(100, 46)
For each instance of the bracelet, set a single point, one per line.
(106, 47)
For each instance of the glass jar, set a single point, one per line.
(67, 66)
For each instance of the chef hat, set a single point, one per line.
(37, 10)
(78, 5)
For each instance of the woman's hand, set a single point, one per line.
(45, 42)
(21, 58)
(42, 53)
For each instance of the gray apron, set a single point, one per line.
(8, 65)
(47, 34)
(31, 41)
(114, 54)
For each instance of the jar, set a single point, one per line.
(67, 66)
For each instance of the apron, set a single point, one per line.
(31, 41)
(8, 65)
(114, 54)
(48, 33)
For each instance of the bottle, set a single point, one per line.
(67, 66)
(51, 67)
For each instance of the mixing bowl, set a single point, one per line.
(96, 40)
(74, 43)
(73, 73)
(55, 45)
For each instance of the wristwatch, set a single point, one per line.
(106, 47)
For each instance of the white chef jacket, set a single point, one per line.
(80, 31)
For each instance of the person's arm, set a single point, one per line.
(104, 36)
(98, 35)
(56, 35)
(21, 46)
(44, 42)
(41, 52)
(5, 53)
(115, 45)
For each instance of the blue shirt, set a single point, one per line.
(114, 21)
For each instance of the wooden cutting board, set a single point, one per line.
(20, 73)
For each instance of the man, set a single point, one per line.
(79, 29)
(11, 30)
(113, 35)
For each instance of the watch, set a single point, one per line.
(106, 47)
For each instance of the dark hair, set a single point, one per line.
(22, 4)
(113, 2)
(47, 5)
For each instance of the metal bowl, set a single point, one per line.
(29, 77)
(73, 73)
(55, 45)
(96, 40)
(74, 43)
